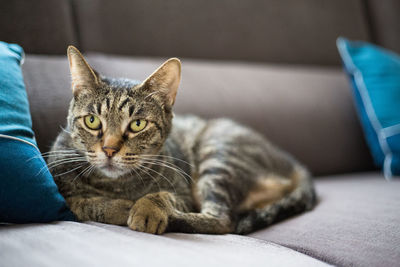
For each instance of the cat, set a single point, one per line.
(125, 159)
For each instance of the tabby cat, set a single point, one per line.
(125, 159)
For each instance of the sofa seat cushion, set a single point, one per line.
(356, 223)
(94, 244)
(306, 110)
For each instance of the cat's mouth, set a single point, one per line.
(109, 167)
(111, 170)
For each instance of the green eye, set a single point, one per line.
(138, 125)
(92, 122)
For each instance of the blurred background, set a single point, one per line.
(284, 31)
(269, 64)
(272, 65)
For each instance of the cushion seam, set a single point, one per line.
(359, 80)
(18, 139)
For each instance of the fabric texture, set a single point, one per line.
(308, 111)
(15, 119)
(285, 31)
(385, 22)
(291, 31)
(94, 244)
(27, 190)
(40, 26)
(375, 76)
(355, 223)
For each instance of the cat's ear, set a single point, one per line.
(82, 75)
(164, 82)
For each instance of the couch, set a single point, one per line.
(271, 65)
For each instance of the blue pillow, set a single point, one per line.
(27, 189)
(375, 77)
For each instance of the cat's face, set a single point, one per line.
(119, 123)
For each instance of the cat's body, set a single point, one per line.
(183, 174)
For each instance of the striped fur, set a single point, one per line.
(181, 174)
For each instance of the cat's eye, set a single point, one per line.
(92, 122)
(137, 125)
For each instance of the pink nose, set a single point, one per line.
(110, 151)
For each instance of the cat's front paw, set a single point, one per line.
(146, 216)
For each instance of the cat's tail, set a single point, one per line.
(301, 198)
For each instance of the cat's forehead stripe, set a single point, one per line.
(131, 109)
(90, 108)
(123, 103)
(108, 103)
(140, 111)
(98, 106)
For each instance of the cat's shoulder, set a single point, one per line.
(63, 141)
(188, 121)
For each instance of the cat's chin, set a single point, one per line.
(112, 172)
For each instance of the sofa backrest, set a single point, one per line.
(285, 31)
(306, 110)
(384, 18)
(40, 26)
(300, 31)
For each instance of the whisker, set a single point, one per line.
(62, 157)
(87, 172)
(60, 150)
(63, 151)
(138, 174)
(51, 153)
(151, 176)
(65, 162)
(65, 159)
(47, 156)
(169, 164)
(93, 168)
(150, 169)
(80, 166)
(181, 172)
(163, 163)
(54, 164)
(166, 156)
(73, 180)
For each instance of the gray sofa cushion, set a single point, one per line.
(291, 31)
(306, 110)
(385, 23)
(94, 244)
(40, 26)
(356, 223)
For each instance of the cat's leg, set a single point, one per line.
(155, 213)
(215, 196)
(152, 212)
(158, 212)
(100, 209)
